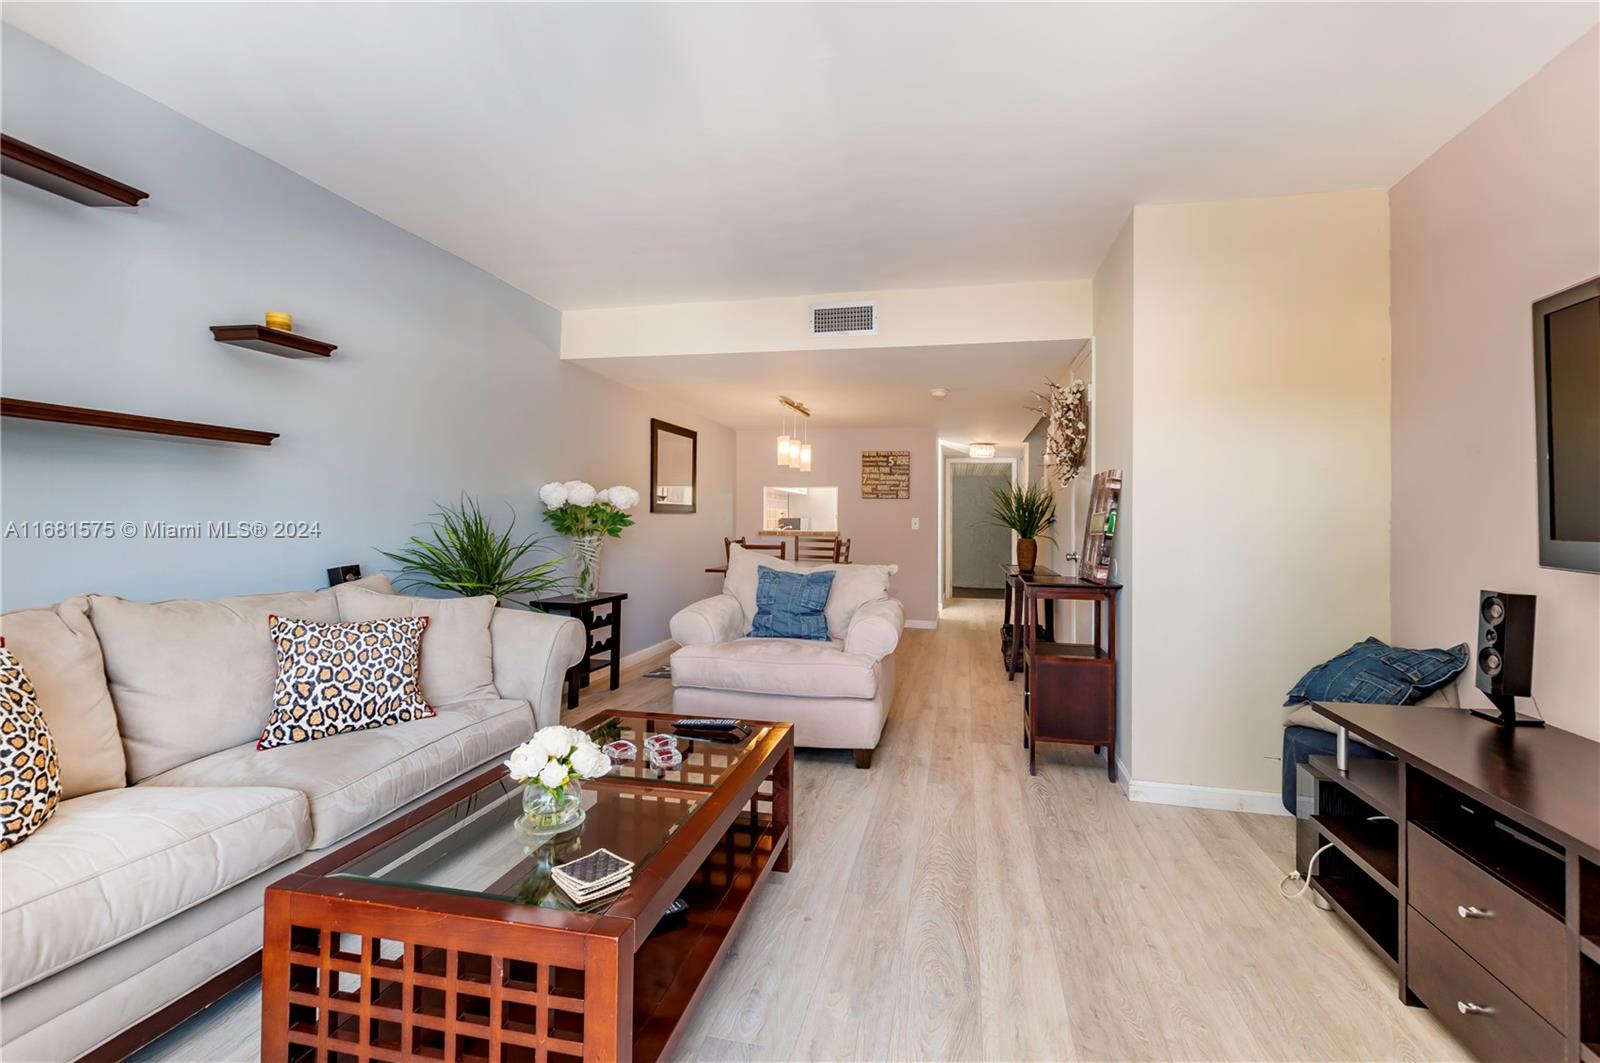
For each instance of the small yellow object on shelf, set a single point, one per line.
(279, 320)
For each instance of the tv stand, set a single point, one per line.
(1471, 864)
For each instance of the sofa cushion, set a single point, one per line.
(378, 582)
(853, 585)
(1306, 716)
(59, 649)
(189, 678)
(355, 779)
(337, 678)
(30, 773)
(111, 864)
(777, 666)
(789, 605)
(457, 652)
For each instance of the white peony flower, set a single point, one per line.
(526, 761)
(555, 740)
(579, 493)
(554, 494)
(603, 496)
(553, 774)
(624, 498)
(589, 761)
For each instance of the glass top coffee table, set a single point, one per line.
(443, 935)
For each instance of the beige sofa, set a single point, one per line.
(147, 882)
(836, 693)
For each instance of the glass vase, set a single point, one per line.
(588, 553)
(552, 811)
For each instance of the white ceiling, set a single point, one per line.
(991, 385)
(601, 155)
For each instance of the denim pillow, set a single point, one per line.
(789, 605)
(1375, 673)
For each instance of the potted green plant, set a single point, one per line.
(464, 554)
(1030, 511)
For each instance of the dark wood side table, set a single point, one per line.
(602, 611)
(1069, 688)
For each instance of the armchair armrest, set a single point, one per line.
(532, 653)
(874, 630)
(709, 621)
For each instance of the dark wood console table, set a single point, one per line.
(589, 611)
(1471, 862)
(1069, 688)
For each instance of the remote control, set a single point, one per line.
(707, 725)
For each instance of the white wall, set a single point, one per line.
(1111, 424)
(1259, 428)
(879, 529)
(918, 317)
(1503, 215)
(446, 380)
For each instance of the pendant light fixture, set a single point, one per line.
(793, 452)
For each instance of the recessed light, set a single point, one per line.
(939, 393)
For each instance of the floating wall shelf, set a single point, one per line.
(272, 341)
(28, 410)
(54, 174)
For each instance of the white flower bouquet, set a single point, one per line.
(576, 509)
(551, 767)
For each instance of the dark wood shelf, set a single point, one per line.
(28, 410)
(1589, 946)
(1376, 780)
(670, 965)
(52, 173)
(272, 341)
(1373, 846)
(1372, 913)
(1081, 650)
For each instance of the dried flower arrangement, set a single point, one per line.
(1066, 438)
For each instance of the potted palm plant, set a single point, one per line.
(465, 555)
(1030, 511)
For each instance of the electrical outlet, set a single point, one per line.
(916, 523)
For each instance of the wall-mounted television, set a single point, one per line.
(1566, 386)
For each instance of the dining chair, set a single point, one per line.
(775, 548)
(817, 549)
(844, 551)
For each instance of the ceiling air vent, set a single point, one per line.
(851, 319)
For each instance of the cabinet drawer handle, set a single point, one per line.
(1468, 1008)
(1467, 911)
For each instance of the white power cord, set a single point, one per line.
(1311, 869)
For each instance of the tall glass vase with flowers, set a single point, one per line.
(575, 509)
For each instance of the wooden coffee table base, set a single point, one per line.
(356, 969)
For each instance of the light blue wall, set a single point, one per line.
(445, 380)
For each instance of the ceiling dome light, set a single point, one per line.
(939, 393)
(980, 450)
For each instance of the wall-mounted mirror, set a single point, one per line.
(672, 467)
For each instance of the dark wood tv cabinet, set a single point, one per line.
(1471, 862)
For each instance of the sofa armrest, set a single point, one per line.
(532, 653)
(709, 621)
(875, 628)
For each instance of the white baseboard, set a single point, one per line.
(1261, 802)
(923, 625)
(645, 654)
(1122, 777)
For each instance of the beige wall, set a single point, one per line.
(1258, 418)
(920, 317)
(1504, 214)
(1111, 424)
(879, 529)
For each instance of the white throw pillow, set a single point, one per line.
(457, 651)
(853, 585)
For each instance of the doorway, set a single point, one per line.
(978, 546)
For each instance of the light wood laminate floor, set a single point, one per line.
(944, 905)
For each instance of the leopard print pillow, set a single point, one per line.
(334, 678)
(30, 774)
